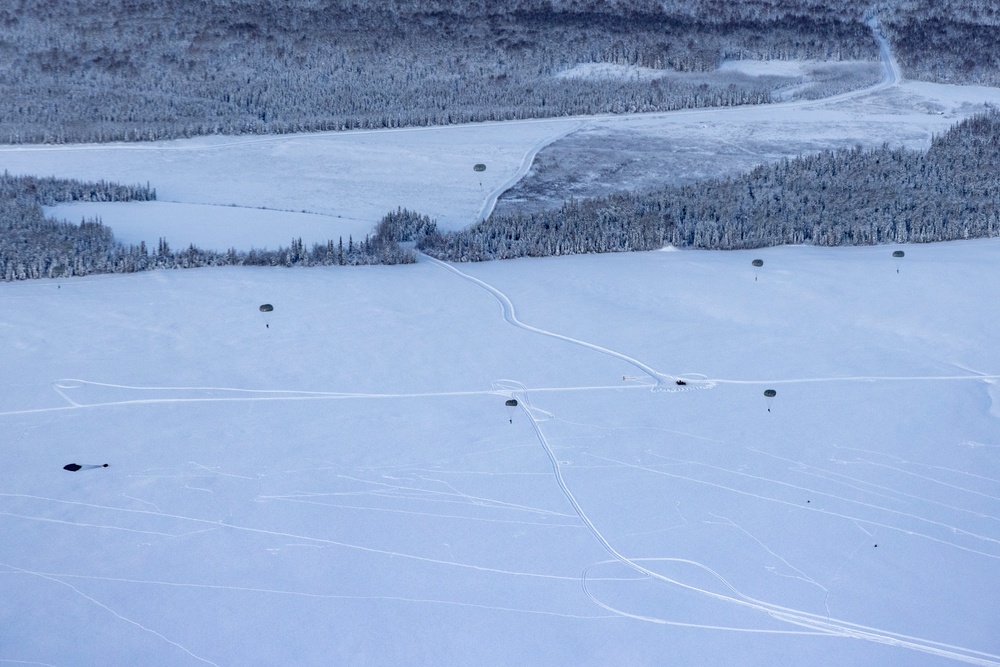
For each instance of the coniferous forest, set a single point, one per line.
(844, 197)
(89, 70)
(33, 246)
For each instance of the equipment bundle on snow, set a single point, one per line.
(73, 467)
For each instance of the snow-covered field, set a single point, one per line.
(340, 481)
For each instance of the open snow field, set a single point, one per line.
(340, 481)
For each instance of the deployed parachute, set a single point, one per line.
(266, 308)
(769, 394)
(480, 167)
(511, 402)
(898, 255)
(758, 263)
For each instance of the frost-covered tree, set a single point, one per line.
(844, 197)
(33, 246)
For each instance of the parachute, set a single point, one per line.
(266, 308)
(511, 402)
(770, 393)
(758, 263)
(480, 167)
(898, 253)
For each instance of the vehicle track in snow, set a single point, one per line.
(510, 316)
(810, 622)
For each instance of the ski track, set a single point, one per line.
(810, 508)
(302, 594)
(726, 521)
(529, 157)
(215, 524)
(110, 611)
(815, 622)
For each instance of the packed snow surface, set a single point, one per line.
(340, 480)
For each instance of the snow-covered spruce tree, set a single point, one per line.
(845, 197)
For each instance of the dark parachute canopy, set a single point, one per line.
(511, 402)
(770, 393)
(758, 262)
(898, 253)
(480, 167)
(266, 308)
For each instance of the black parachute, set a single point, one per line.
(898, 253)
(266, 308)
(770, 393)
(480, 167)
(511, 402)
(758, 262)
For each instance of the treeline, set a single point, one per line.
(104, 70)
(93, 70)
(843, 197)
(33, 246)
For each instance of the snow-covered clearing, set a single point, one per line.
(347, 181)
(340, 481)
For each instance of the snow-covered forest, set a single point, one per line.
(843, 197)
(97, 71)
(34, 246)
(846, 197)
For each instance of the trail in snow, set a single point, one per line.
(510, 316)
(273, 591)
(109, 610)
(946, 528)
(815, 622)
(491, 199)
(810, 621)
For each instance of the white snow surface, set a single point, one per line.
(339, 481)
